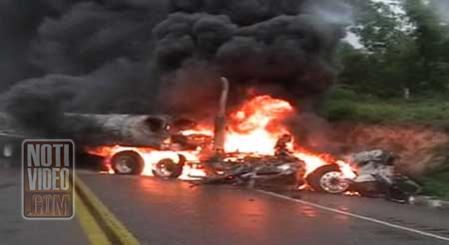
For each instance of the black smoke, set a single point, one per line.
(148, 56)
(286, 48)
(77, 56)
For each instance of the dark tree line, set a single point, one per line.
(405, 48)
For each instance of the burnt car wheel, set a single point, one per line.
(127, 163)
(169, 169)
(328, 179)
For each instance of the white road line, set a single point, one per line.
(369, 219)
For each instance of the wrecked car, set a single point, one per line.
(376, 175)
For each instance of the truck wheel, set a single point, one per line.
(169, 169)
(127, 163)
(328, 179)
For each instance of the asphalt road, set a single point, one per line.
(15, 230)
(175, 212)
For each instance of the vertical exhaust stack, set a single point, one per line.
(220, 119)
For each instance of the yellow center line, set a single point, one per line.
(93, 231)
(111, 225)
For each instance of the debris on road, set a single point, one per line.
(376, 175)
(252, 169)
(428, 201)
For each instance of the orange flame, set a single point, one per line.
(252, 129)
(257, 125)
(150, 157)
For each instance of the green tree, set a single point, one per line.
(404, 48)
(430, 38)
(379, 67)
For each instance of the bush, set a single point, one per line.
(339, 110)
(437, 183)
(344, 104)
(341, 93)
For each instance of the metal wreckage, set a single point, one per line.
(248, 147)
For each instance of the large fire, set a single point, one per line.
(254, 128)
(257, 125)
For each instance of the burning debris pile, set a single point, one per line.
(256, 145)
(257, 148)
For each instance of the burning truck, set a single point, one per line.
(247, 145)
(286, 45)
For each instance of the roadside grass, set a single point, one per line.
(346, 105)
(437, 184)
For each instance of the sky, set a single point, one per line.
(354, 40)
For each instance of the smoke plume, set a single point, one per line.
(141, 56)
(286, 47)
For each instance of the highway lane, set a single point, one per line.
(15, 230)
(174, 212)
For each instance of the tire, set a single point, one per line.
(322, 180)
(127, 163)
(169, 169)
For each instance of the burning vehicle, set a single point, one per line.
(376, 175)
(250, 144)
(287, 46)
